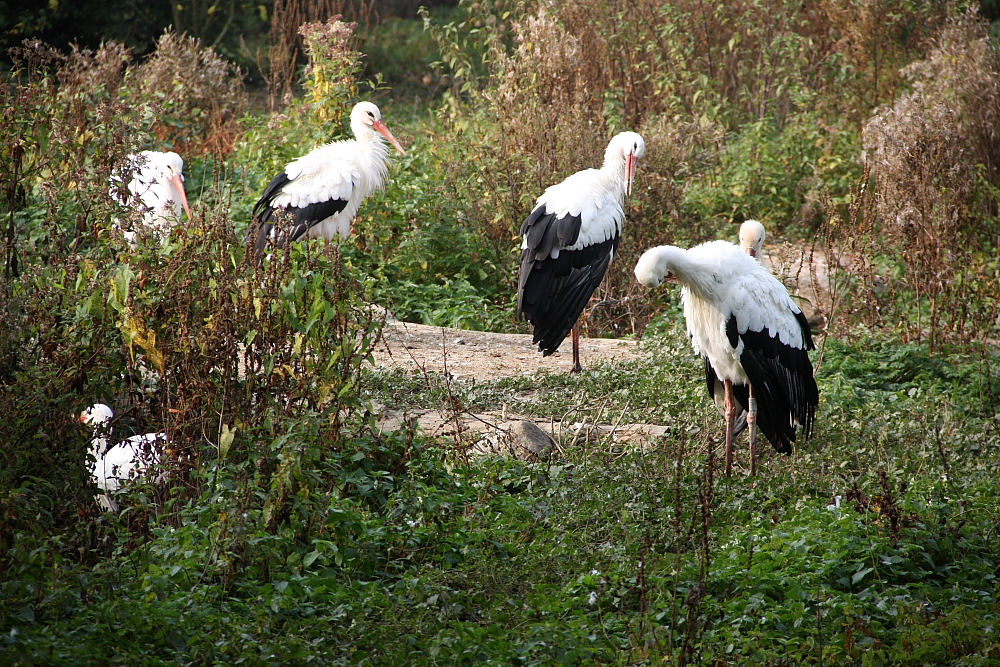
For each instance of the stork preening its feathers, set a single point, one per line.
(568, 243)
(115, 465)
(751, 333)
(156, 189)
(319, 193)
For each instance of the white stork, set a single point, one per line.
(751, 333)
(115, 465)
(156, 190)
(320, 192)
(752, 236)
(568, 242)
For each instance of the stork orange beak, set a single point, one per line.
(381, 128)
(179, 184)
(630, 164)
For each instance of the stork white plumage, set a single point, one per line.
(750, 332)
(568, 243)
(156, 190)
(116, 465)
(321, 191)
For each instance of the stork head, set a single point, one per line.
(625, 150)
(366, 115)
(168, 168)
(655, 267)
(752, 237)
(96, 415)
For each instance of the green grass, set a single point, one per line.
(606, 556)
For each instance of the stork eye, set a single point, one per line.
(371, 114)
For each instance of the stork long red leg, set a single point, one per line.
(730, 417)
(576, 349)
(752, 423)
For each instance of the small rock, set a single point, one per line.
(518, 439)
(528, 442)
(459, 341)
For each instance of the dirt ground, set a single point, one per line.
(489, 356)
(486, 356)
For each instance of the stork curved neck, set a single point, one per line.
(613, 170)
(98, 447)
(373, 155)
(697, 276)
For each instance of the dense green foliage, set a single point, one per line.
(611, 554)
(287, 527)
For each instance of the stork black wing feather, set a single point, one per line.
(783, 384)
(541, 238)
(552, 292)
(262, 209)
(300, 219)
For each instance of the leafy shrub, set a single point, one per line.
(197, 94)
(189, 337)
(874, 40)
(332, 75)
(935, 156)
(67, 132)
(288, 48)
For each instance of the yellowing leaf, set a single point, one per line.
(226, 440)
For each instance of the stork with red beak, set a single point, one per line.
(156, 190)
(568, 242)
(318, 194)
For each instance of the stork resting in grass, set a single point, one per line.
(156, 189)
(320, 192)
(115, 465)
(568, 243)
(750, 332)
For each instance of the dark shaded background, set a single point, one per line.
(235, 28)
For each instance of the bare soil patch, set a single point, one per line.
(484, 355)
